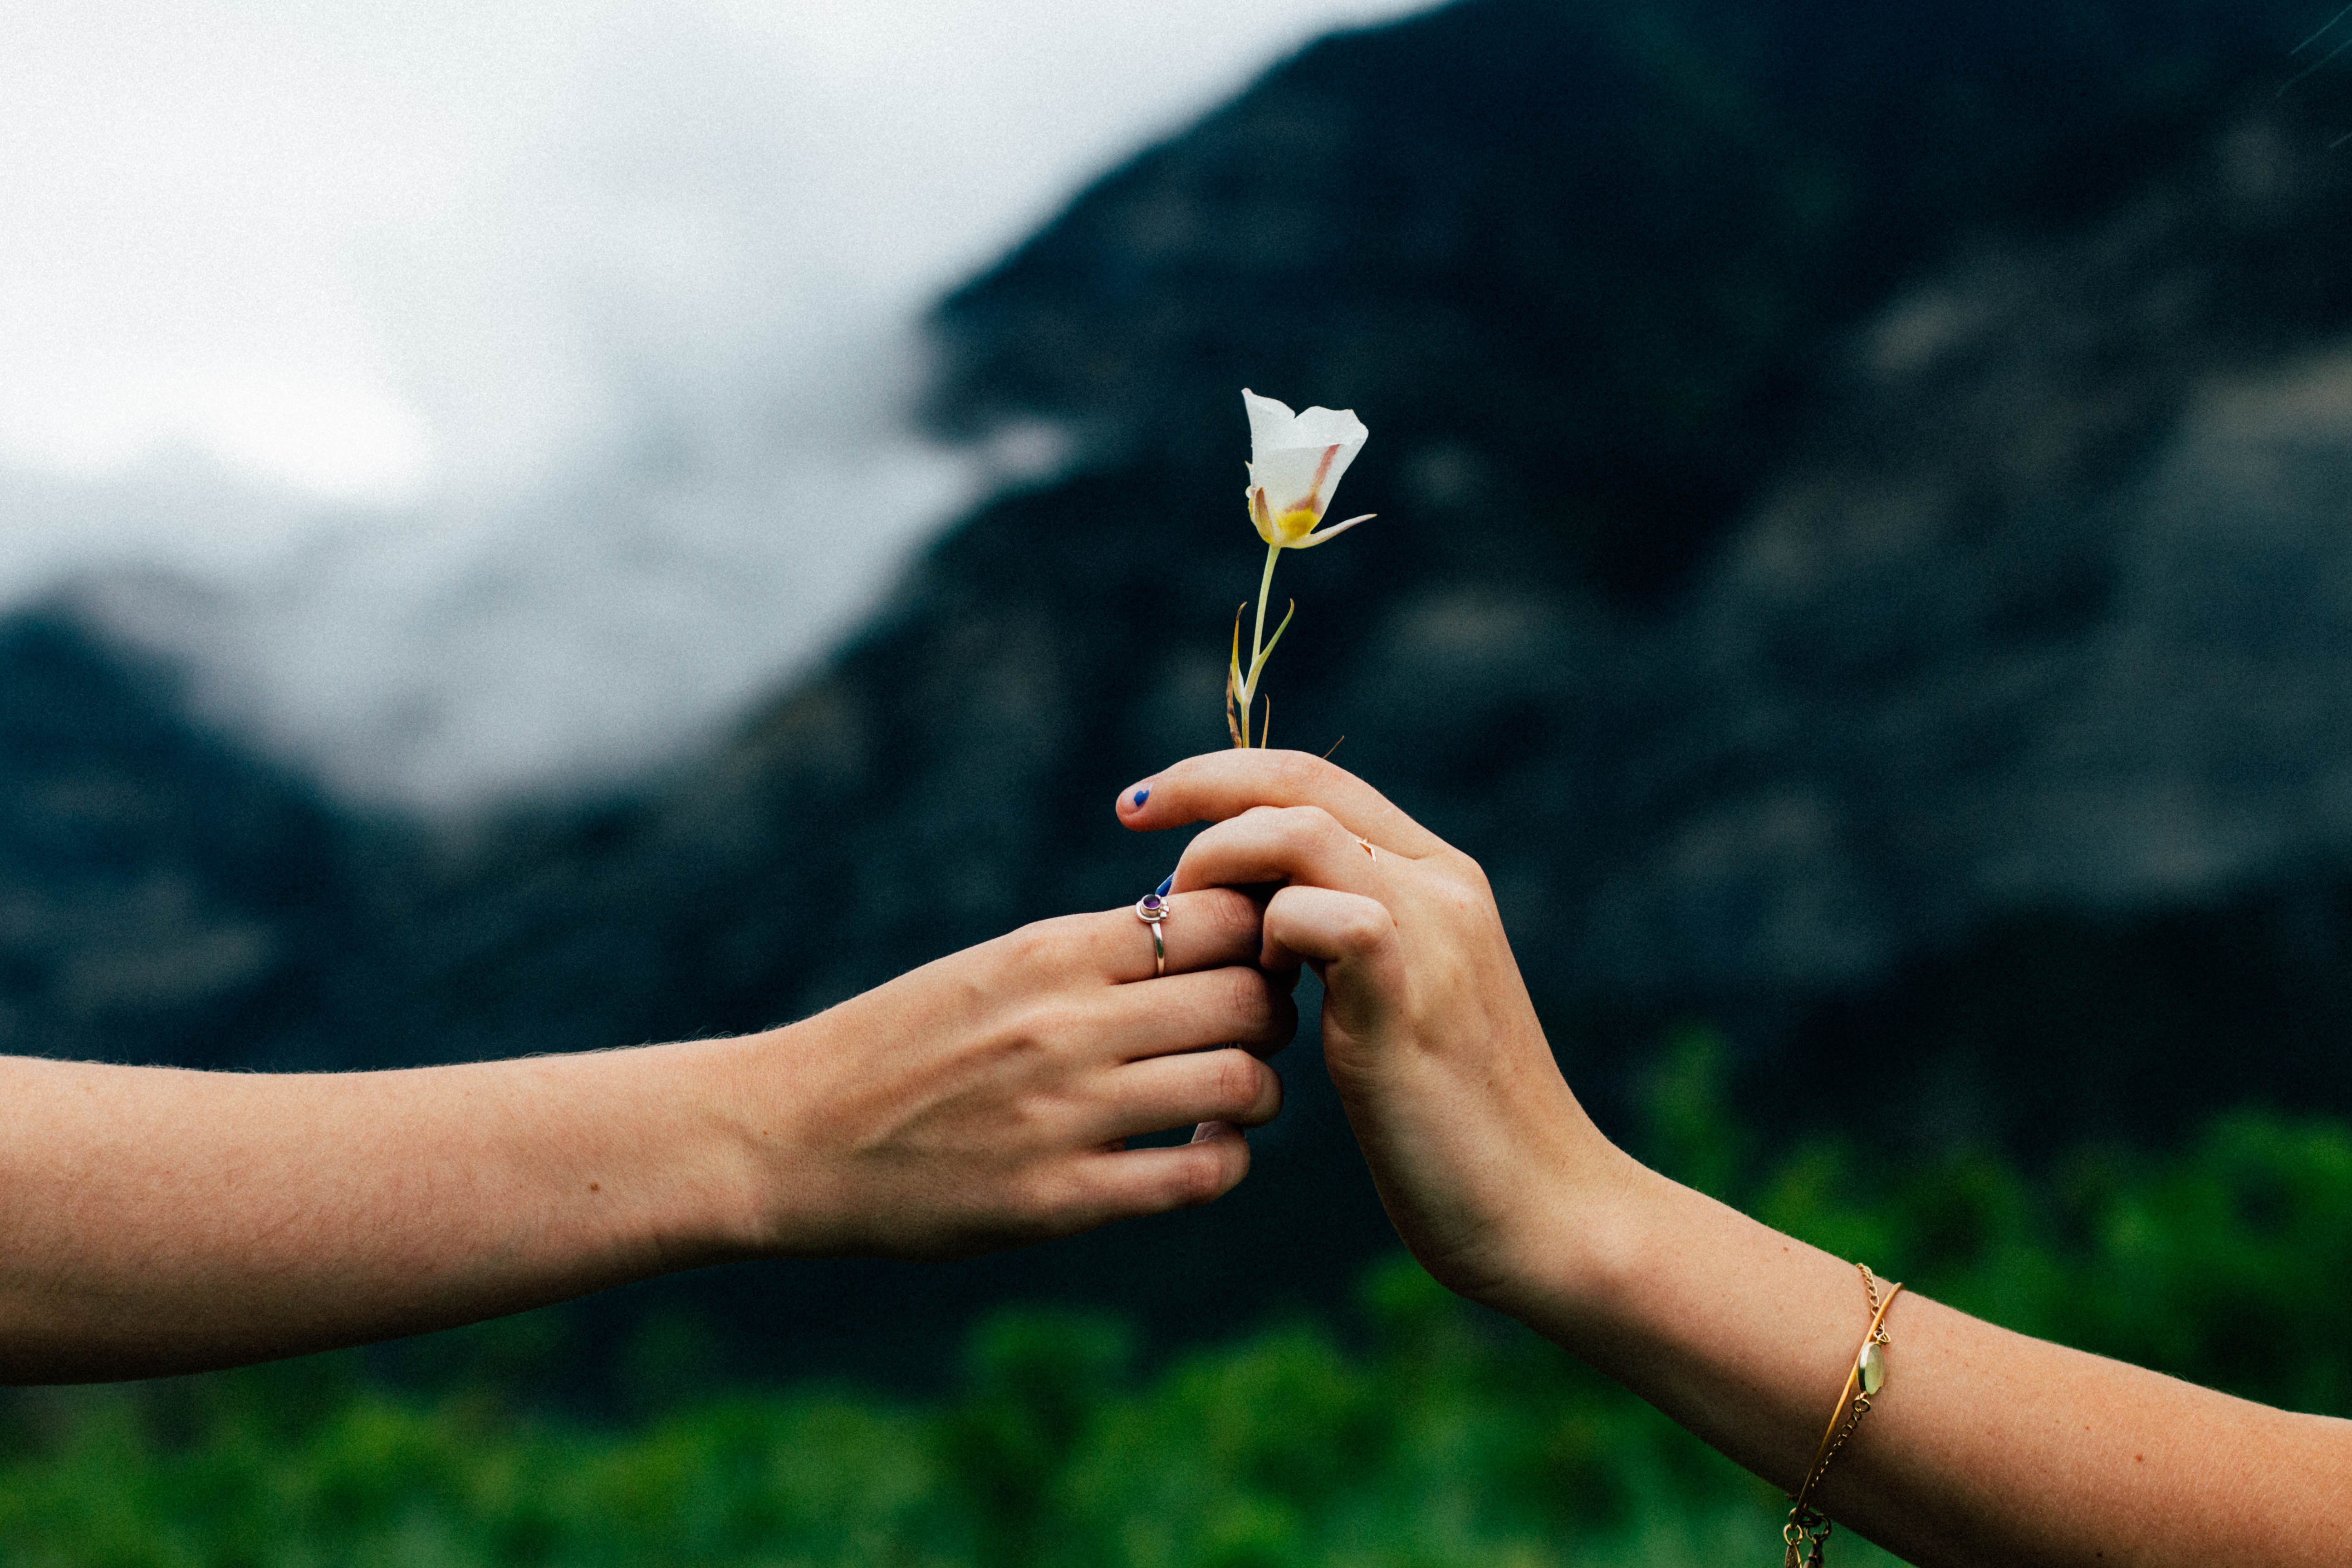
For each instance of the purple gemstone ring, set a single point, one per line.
(1151, 909)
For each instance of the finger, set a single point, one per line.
(1217, 785)
(1132, 1182)
(1162, 1093)
(1296, 844)
(1235, 1006)
(1324, 926)
(1352, 943)
(1203, 930)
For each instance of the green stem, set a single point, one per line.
(1264, 592)
(1257, 639)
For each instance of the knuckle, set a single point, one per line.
(1298, 772)
(1247, 1003)
(1235, 1084)
(1465, 899)
(1033, 946)
(1311, 821)
(1041, 1196)
(1227, 917)
(1204, 1176)
(1053, 1029)
(1362, 926)
(1465, 870)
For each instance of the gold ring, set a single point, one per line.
(1370, 850)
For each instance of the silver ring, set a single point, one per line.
(1151, 909)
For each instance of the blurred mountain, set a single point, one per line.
(1861, 560)
(164, 896)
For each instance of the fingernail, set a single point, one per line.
(1142, 795)
(1166, 885)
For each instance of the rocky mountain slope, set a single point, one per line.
(164, 896)
(1860, 559)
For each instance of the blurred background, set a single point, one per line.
(531, 529)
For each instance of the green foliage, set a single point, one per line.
(1422, 1434)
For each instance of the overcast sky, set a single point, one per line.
(493, 396)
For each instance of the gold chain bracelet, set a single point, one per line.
(1808, 1530)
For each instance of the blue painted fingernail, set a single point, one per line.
(1143, 795)
(1168, 884)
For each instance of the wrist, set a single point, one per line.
(778, 1197)
(1585, 1229)
(703, 1144)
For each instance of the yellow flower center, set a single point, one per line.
(1295, 525)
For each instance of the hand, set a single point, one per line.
(1991, 1448)
(985, 1101)
(1475, 1140)
(164, 1222)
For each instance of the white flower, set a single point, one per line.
(1296, 461)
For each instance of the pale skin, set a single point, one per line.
(1984, 1448)
(156, 1221)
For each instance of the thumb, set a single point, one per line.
(1352, 942)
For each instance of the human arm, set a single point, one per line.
(1984, 1448)
(154, 1221)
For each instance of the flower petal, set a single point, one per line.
(1334, 532)
(1273, 426)
(1301, 476)
(1270, 421)
(1327, 428)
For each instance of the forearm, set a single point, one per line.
(157, 1221)
(1984, 1446)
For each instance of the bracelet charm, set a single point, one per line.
(1808, 1530)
